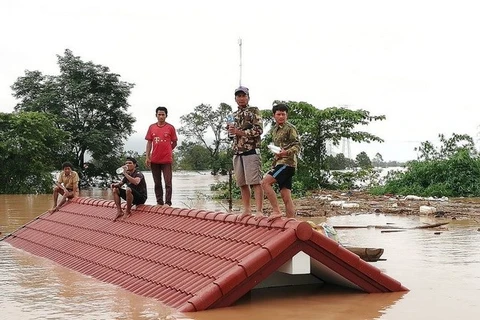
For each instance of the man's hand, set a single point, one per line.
(61, 186)
(232, 130)
(282, 154)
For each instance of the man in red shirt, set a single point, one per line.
(161, 140)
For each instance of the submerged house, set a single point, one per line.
(193, 259)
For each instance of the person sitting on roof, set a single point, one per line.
(135, 191)
(66, 185)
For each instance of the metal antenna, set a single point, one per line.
(240, 47)
(230, 178)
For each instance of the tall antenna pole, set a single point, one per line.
(346, 141)
(240, 47)
(230, 180)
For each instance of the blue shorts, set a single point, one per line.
(283, 174)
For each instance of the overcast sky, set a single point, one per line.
(416, 62)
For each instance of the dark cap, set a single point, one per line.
(242, 89)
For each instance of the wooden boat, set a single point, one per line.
(367, 254)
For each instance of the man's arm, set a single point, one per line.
(76, 179)
(132, 179)
(148, 152)
(257, 123)
(117, 185)
(61, 186)
(256, 127)
(174, 138)
(294, 146)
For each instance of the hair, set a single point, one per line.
(241, 92)
(67, 164)
(280, 107)
(133, 160)
(161, 109)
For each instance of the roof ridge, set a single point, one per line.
(198, 214)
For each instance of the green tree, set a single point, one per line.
(89, 102)
(30, 145)
(316, 127)
(449, 147)
(363, 161)
(451, 170)
(338, 162)
(192, 156)
(377, 161)
(207, 127)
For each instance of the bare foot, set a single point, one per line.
(258, 216)
(52, 210)
(274, 216)
(119, 214)
(126, 215)
(243, 215)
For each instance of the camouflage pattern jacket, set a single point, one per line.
(249, 120)
(286, 137)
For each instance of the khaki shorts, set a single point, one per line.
(247, 169)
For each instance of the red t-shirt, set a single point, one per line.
(161, 138)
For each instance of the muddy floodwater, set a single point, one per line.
(441, 267)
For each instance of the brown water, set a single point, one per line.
(442, 272)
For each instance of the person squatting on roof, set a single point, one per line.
(66, 185)
(135, 191)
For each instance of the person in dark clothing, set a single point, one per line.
(135, 191)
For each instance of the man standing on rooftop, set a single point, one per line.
(161, 140)
(246, 131)
(285, 136)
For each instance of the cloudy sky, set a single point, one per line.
(417, 62)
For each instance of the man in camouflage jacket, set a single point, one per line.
(246, 131)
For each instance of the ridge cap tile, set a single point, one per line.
(168, 210)
(277, 245)
(180, 212)
(230, 217)
(206, 297)
(193, 213)
(202, 214)
(221, 216)
(212, 215)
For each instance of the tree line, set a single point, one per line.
(83, 113)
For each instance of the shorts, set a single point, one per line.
(247, 169)
(283, 174)
(138, 198)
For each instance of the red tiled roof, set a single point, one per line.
(189, 259)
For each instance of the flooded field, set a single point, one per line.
(441, 267)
